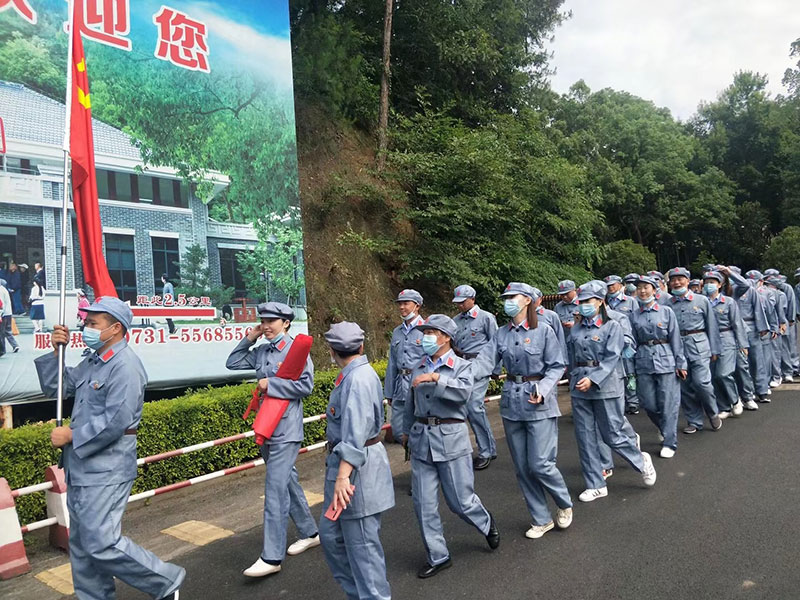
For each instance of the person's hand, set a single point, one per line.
(774, 334)
(59, 337)
(255, 333)
(263, 383)
(569, 324)
(714, 357)
(61, 436)
(681, 373)
(425, 378)
(783, 329)
(342, 492)
(536, 399)
(745, 351)
(723, 269)
(763, 333)
(583, 385)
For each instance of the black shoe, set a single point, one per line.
(173, 596)
(16, 349)
(410, 491)
(430, 571)
(479, 463)
(493, 537)
(631, 410)
(716, 423)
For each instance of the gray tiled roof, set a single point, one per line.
(29, 116)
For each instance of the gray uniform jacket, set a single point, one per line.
(476, 328)
(751, 304)
(731, 326)
(567, 311)
(266, 359)
(624, 304)
(659, 348)
(446, 399)
(109, 395)
(527, 352)
(405, 352)
(595, 349)
(693, 313)
(355, 415)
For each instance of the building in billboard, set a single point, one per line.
(150, 215)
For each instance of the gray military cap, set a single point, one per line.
(463, 292)
(275, 310)
(566, 286)
(345, 337)
(114, 307)
(441, 323)
(592, 289)
(409, 296)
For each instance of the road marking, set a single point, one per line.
(197, 532)
(313, 498)
(58, 578)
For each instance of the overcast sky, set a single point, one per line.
(673, 52)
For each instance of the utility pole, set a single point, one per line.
(383, 118)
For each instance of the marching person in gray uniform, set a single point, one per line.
(700, 335)
(782, 362)
(549, 317)
(770, 301)
(358, 477)
(476, 328)
(733, 340)
(696, 286)
(789, 355)
(597, 391)
(620, 302)
(405, 352)
(630, 280)
(752, 377)
(659, 363)
(781, 306)
(437, 436)
(99, 456)
(283, 496)
(533, 358)
(567, 306)
(662, 293)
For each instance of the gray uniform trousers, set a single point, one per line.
(99, 552)
(458, 487)
(697, 392)
(356, 544)
(777, 352)
(788, 351)
(607, 416)
(744, 380)
(479, 421)
(660, 393)
(722, 373)
(534, 446)
(760, 367)
(283, 497)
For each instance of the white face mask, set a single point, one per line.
(409, 316)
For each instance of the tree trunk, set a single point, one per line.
(383, 118)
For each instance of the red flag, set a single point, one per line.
(84, 179)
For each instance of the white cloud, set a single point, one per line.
(266, 54)
(673, 52)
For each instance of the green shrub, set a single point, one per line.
(197, 416)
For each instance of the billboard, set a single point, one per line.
(194, 135)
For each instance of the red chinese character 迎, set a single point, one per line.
(181, 40)
(22, 7)
(104, 21)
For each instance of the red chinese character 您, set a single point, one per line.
(181, 40)
(104, 21)
(22, 7)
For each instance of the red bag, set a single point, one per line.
(272, 409)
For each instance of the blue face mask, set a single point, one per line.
(91, 337)
(410, 316)
(616, 294)
(587, 309)
(710, 289)
(630, 288)
(429, 345)
(679, 291)
(645, 301)
(512, 308)
(277, 339)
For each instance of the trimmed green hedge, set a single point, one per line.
(197, 416)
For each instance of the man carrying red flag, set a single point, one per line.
(84, 180)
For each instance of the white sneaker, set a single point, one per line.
(261, 569)
(537, 531)
(638, 442)
(769, 392)
(563, 518)
(593, 494)
(788, 379)
(737, 409)
(649, 471)
(667, 452)
(751, 405)
(301, 546)
(723, 414)
(607, 473)
(775, 383)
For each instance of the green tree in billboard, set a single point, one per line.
(276, 262)
(195, 277)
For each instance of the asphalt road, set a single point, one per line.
(721, 522)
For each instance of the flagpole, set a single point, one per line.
(62, 299)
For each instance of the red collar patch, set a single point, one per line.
(107, 356)
(338, 380)
(540, 310)
(281, 345)
(450, 362)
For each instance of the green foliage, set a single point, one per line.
(195, 277)
(625, 256)
(197, 416)
(783, 252)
